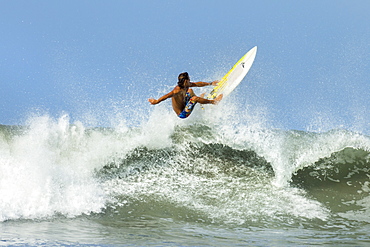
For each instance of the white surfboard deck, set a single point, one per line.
(233, 78)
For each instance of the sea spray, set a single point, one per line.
(206, 169)
(49, 170)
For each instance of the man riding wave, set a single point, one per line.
(184, 98)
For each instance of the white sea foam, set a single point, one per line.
(53, 167)
(49, 170)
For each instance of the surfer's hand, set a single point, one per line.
(214, 83)
(153, 101)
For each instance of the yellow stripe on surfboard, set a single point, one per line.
(223, 82)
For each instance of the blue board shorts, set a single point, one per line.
(189, 106)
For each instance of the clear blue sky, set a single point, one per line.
(104, 58)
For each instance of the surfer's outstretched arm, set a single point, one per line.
(203, 84)
(164, 97)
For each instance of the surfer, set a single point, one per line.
(183, 97)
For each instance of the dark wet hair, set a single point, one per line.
(182, 77)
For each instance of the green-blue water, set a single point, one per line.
(182, 183)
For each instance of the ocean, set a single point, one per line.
(211, 180)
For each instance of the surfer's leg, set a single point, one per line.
(202, 100)
(193, 101)
(207, 101)
(190, 103)
(219, 98)
(188, 108)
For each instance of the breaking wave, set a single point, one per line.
(203, 171)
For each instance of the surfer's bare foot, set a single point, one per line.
(202, 95)
(218, 99)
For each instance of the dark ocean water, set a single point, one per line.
(202, 182)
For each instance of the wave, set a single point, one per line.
(240, 173)
(347, 166)
(224, 157)
(340, 181)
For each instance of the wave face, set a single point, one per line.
(200, 170)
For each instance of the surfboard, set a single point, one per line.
(233, 78)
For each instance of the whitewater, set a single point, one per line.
(220, 178)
